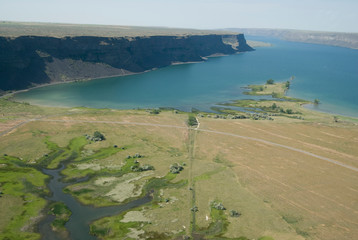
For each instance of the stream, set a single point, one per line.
(82, 215)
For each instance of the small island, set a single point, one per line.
(206, 173)
(276, 106)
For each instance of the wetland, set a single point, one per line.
(209, 175)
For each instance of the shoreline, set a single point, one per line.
(305, 106)
(281, 91)
(109, 76)
(70, 81)
(11, 94)
(201, 111)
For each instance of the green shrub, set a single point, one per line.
(270, 81)
(192, 121)
(176, 168)
(234, 213)
(155, 111)
(97, 136)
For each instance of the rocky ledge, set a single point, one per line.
(27, 61)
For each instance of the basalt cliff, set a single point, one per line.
(27, 61)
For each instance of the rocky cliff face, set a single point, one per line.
(29, 60)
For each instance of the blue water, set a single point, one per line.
(327, 73)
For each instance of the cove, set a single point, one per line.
(327, 73)
(82, 216)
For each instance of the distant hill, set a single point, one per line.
(348, 40)
(17, 29)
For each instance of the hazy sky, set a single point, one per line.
(326, 15)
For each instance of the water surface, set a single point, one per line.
(82, 215)
(327, 73)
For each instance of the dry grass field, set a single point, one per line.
(280, 192)
(315, 198)
(16, 29)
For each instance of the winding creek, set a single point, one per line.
(324, 72)
(82, 215)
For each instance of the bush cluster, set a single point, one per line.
(176, 168)
(192, 121)
(146, 167)
(217, 205)
(97, 136)
(234, 213)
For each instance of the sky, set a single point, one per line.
(322, 15)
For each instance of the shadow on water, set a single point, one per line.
(322, 72)
(82, 216)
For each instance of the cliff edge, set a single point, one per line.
(28, 61)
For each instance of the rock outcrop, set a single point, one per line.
(28, 61)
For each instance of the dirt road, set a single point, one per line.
(332, 161)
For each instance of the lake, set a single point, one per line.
(327, 73)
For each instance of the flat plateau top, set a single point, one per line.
(16, 29)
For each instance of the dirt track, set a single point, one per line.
(197, 129)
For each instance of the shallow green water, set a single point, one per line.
(327, 73)
(82, 216)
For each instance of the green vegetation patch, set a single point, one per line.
(23, 188)
(62, 214)
(208, 175)
(290, 219)
(113, 227)
(220, 159)
(270, 88)
(266, 238)
(192, 121)
(89, 192)
(65, 154)
(155, 184)
(267, 109)
(219, 222)
(73, 154)
(100, 154)
(276, 90)
(117, 228)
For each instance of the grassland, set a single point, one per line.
(62, 215)
(279, 192)
(341, 39)
(16, 29)
(21, 199)
(276, 90)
